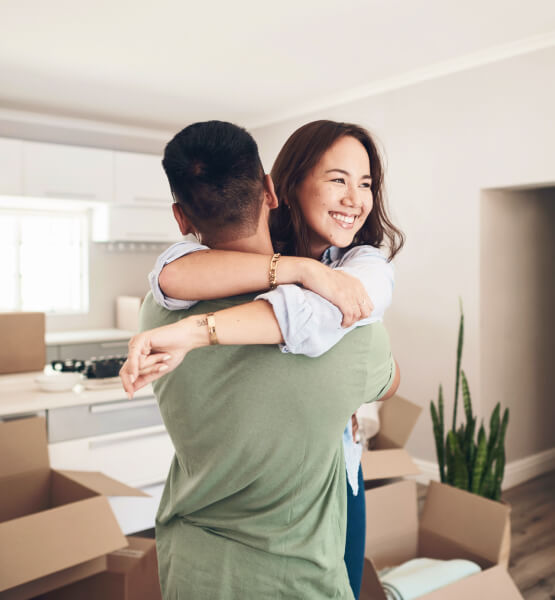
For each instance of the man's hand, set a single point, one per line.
(152, 354)
(341, 289)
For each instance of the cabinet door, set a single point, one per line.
(141, 224)
(56, 171)
(140, 180)
(11, 167)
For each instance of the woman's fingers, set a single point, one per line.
(155, 368)
(152, 359)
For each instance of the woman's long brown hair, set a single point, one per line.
(297, 158)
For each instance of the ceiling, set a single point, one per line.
(164, 64)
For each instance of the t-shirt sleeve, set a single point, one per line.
(169, 255)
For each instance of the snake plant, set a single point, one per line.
(468, 461)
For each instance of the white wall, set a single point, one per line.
(445, 140)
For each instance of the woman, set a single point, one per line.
(329, 180)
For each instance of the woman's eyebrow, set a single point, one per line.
(346, 173)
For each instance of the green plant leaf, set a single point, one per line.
(480, 461)
(460, 476)
(438, 435)
(458, 369)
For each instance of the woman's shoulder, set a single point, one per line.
(340, 256)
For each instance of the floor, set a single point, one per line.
(532, 564)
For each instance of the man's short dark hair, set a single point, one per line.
(216, 175)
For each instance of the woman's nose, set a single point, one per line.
(353, 197)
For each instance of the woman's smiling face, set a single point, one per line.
(335, 198)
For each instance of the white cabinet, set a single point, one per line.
(139, 179)
(68, 172)
(11, 167)
(138, 223)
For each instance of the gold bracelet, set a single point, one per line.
(272, 274)
(211, 322)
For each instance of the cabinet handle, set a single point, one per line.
(127, 436)
(114, 344)
(71, 195)
(123, 405)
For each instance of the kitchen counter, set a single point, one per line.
(20, 394)
(55, 338)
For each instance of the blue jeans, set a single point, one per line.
(356, 534)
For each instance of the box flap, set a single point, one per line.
(38, 545)
(464, 521)
(384, 464)
(371, 586)
(102, 484)
(491, 583)
(53, 582)
(23, 446)
(398, 417)
(391, 523)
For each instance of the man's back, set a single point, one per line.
(254, 504)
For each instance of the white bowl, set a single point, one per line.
(58, 382)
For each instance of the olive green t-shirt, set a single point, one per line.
(254, 505)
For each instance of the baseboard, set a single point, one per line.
(516, 472)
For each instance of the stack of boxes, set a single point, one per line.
(57, 527)
(59, 539)
(453, 523)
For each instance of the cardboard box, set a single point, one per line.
(388, 458)
(55, 526)
(23, 348)
(131, 574)
(454, 524)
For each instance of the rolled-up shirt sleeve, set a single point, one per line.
(376, 274)
(169, 255)
(311, 325)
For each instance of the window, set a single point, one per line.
(44, 261)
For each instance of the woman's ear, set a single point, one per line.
(185, 225)
(270, 193)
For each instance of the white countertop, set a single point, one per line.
(85, 336)
(20, 394)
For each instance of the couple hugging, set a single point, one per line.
(282, 300)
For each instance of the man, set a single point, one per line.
(254, 503)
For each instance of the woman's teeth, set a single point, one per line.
(349, 220)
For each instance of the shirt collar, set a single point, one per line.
(332, 254)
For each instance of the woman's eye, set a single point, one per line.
(338, 180)
(366, 185)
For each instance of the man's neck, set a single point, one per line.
(259, 243)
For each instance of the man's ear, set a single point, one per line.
(185, 225)
(270, 197)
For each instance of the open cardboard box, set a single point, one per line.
(131, 574)
(453, 524)
(388, 458)
(55, 526)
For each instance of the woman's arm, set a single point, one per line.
(310, 325)
(154, 352)
(188, 272)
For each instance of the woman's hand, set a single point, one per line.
(341, 289)
(154, 353)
